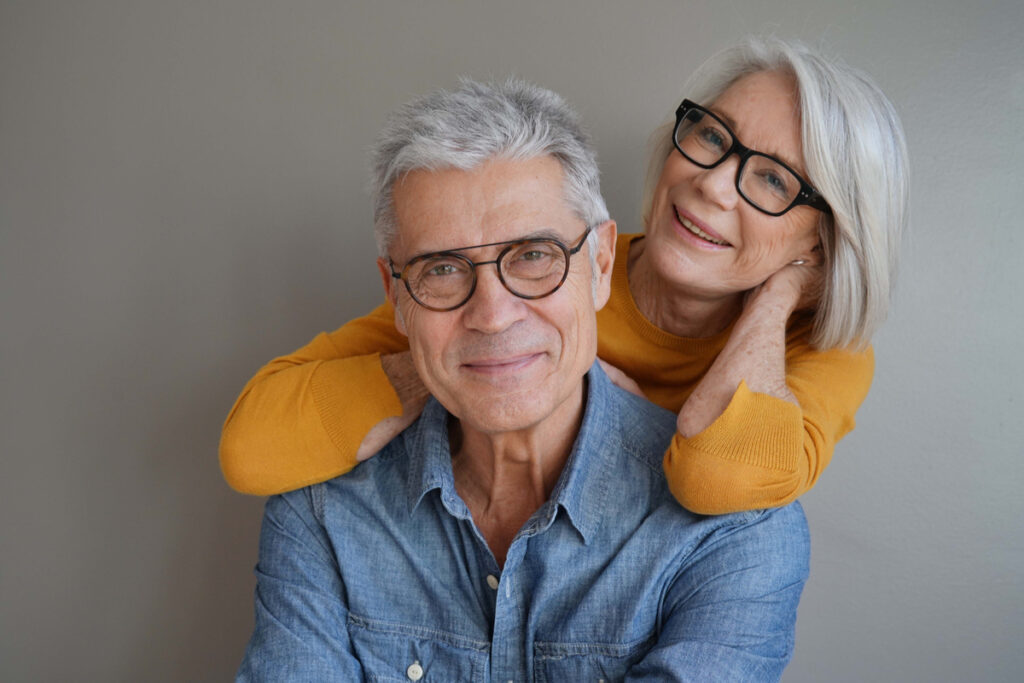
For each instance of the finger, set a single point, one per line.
(621, 379)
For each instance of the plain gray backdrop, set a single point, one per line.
(182, 198)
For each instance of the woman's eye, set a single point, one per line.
(712, 137)
(775, 182)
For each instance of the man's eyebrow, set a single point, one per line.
(543, 234)
(538, 234)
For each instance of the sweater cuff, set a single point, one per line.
(347, 418)
(755, 429)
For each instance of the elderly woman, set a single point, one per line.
(773, 210)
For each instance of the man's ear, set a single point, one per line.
(391, 292)
(605, 258)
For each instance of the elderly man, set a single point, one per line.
(521, 529)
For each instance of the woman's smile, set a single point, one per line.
(705, 234)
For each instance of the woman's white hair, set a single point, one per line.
(856, 157)
(477, 122)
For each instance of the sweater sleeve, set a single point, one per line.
(301, 418)
(764, 452)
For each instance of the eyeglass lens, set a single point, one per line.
(530, 269)
(763, 181)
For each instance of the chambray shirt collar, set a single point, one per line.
(430, 460)
(583, 488)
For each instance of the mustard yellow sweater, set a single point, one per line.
(301, 419)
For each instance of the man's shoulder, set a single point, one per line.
(377, 481)
(376, 489)
(643, 429)
(788, 520)
(777, 537)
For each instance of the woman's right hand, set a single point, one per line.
(401, 372)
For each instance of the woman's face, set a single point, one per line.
(702, 235)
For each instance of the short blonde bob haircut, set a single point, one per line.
(856, 157)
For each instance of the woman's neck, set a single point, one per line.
(673, 308)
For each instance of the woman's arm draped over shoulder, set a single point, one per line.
(305, 417)
(760, 427)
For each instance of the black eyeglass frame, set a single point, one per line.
(510, 245)
(806, 196)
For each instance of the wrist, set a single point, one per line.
(771, 303)
(401, 373)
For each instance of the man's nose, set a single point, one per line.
(492, 307)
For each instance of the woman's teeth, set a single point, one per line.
(699, 233)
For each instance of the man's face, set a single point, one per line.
(499, 363)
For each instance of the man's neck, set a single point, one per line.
(505, 477)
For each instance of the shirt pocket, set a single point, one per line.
(398, 653)
(556, 662)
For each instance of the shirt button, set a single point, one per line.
(414, 672)
(492, 581)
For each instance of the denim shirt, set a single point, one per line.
(381, 575)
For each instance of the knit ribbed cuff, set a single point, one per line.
(755, 429)
(347, 413)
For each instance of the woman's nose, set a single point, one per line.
(718, 184)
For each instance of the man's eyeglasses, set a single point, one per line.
(768, 184)
(530, 269)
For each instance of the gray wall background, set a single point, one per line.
(181, 199)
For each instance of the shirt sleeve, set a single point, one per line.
(301, 418)
(730, 615)
(763, 451)
(301, 618)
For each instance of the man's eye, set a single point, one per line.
(534, 255)
(441, 269)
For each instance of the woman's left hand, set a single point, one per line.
(756, 350)
(796, 286)
(621, 379)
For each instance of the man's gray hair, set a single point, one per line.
(476, 122)
(856, 157)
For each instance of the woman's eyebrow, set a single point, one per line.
(731, 122)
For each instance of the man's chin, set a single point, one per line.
(494, 413)
(525, 408)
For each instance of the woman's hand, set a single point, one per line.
(401, 372)
(756, 350)
(621, 379)
(795, 287)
